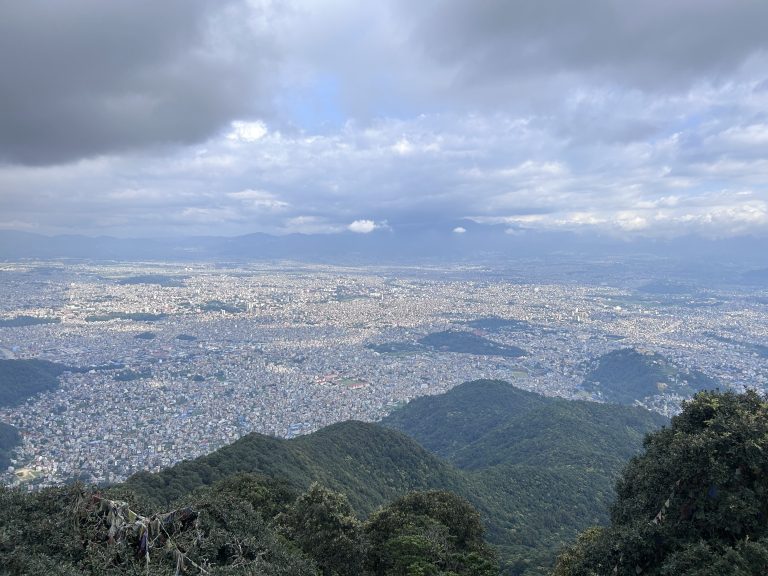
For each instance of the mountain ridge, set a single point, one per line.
(533, 497)
(414, 243)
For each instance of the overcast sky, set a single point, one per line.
(147, 118)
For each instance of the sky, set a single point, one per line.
(189, 117)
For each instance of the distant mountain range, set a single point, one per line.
(436, 241)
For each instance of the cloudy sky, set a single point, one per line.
(146, 118)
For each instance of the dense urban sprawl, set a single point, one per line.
(187, 358)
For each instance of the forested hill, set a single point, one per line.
(486, 422)
(368, 463)
(628, 376)
(9, 438)
(540, 467)
(244, 525)
(694, 503)
(20, 379)
(449, 422)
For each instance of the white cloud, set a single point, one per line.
(362, 226)
(716, 215)
(247, 131)
(459, 230)
(403, 147)
(259, 199)
(493, 168)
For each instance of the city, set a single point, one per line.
(177, 360)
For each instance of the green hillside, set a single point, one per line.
(9, 439)
(368, 463)
(539, 469)
(627, 376)
(458, 341)
(473, 426)
(562, 433)
(20, 379)
(469, 343)
(21, 321)
(448, 422)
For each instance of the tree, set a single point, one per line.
(426, 533)
(696, 501)
(324, 526)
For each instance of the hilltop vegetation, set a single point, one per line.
(532, 470)
(9, 439)
(627, 376)
(458, 341)
(495, 323)
(450, 421)
(243, 525)
(20, 379)
(694, 503)
(469, 343)
(155, 279)
(540, 469)
(369, 464)
(20, 321)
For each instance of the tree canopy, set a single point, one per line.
(694, 503)
(243, 525)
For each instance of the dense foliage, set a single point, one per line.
(626, 375)
(494, 323)
(219, 306)
(469, 343)
(20, 379)
(156, 279)
(145, 336)
(694, 503)
(9, 439)
(446, 423)
(536, 469)
(539, 469)
(324, 526)
(368, 463)
(428, 533)
(244, 525)
(454, 341)
(21, 321)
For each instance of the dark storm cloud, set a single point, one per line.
(650, 45)
(86, 77)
